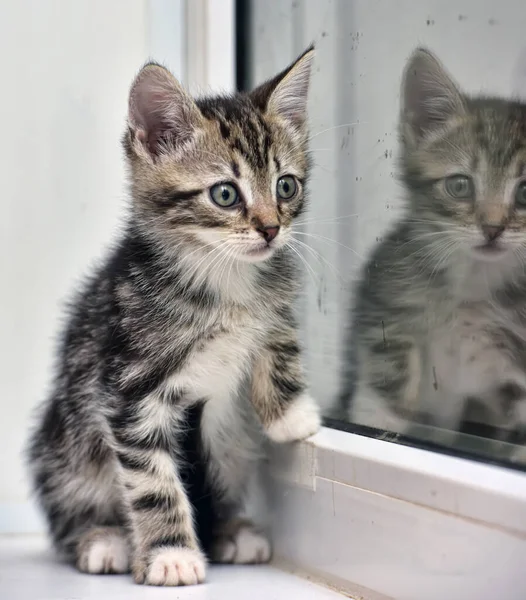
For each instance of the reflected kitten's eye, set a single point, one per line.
(459, 186)
(287, 187)
(520, 195)
(224, 195)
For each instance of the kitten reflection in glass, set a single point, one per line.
(439, 318)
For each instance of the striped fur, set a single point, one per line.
(143, 453)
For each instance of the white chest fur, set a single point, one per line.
(463, 356)
(214, 373)
(217, 365)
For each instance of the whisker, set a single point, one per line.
(320, 221)
(326, 239)
(335, 127)
(214, 254)
(319, 258)
(451, 246)
(225, 263)
(302, 258)
(207, 245)
(445, 224)
(327, 170)
(232, 262)
(425, 236)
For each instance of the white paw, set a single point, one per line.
(108, 554)
(301, 420)
(247, 546)
(176, 566)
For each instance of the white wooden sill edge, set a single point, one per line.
(492, 495)
(385, 520)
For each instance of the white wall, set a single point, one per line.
(66, 69)
(362, 46)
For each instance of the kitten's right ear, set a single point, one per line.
(161, 114)
(429, 96)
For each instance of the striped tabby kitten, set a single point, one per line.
(146, 446)
(439, 321)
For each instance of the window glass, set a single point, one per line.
(414, 312)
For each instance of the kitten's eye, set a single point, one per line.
(459, 186)
(224, 195)
(287, 187)
(520, 195)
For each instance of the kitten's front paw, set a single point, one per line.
(244, 546)
(103, 551)
(173, 566)
(301, 420)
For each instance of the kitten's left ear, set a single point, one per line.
(286, 94)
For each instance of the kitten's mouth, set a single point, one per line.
(257, 253)
(489, 250)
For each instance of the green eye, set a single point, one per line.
(520, 195)
(224, 195)
(459, 186)
(287, 187)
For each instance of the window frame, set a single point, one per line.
(451, 502)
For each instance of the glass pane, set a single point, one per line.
(414, 316)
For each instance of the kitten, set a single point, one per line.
(439, 318)
(147, 444)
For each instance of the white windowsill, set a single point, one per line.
(461, 487)
(376, 519)
(384, 520)
(28, 571)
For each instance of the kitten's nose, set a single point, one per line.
(269, 232)
(492, 232)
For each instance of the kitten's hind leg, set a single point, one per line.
(103, 550)
(236, 473)
(239, 541)
(76, 483)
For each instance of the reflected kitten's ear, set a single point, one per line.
(429, 96)
(160, 113)
(286, 94)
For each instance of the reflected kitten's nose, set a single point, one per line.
(269, 232)
(492, 232)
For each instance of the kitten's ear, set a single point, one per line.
(160, 113)
(286, 94)
(429, 95)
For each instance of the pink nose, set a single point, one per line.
(269, 233)
(492, 232)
